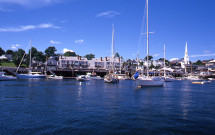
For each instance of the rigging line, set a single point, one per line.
(23, 57)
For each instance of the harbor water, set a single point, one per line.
(69, 107)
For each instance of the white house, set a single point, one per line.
(95, 63)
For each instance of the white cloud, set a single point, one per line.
(202, 55)
(108, 14)
(174, 59)
(79, 41)
(15, 46)
(156, 55)
(54, 42)
(29, 27)
(67, 50)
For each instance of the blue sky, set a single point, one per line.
(85, 26)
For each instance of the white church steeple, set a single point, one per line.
(186, 57)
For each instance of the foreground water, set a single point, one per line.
(94, 107)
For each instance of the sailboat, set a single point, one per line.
(149, 81)
(167, 78)
(30, 74)
(112, 77)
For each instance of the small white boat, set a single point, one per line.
(82, 78)
(192, 77)
(93, 76)
(211, 79)
(111, 78)
(55, 77)
(4, 77)
(122, 77)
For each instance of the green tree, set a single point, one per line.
(1, 51)
(39, 56)
(9, 52)
(89, 56)
(150, 57)
(199, 62)
(69, 53)
(17, 56)
(50, 51)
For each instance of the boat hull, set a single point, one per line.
(7, 78)
(111, 80)
(26, 76)
(150, 82)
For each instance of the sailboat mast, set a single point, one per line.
(164, 61)
(147, 33)
(112, 49)
(30, 59)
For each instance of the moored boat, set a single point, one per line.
(81, 78)
(30, 74)
(93, 76)
(111, 78)
(4, 77)
(148, 81)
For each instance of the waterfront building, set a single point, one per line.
(79, 62)
(211, 66)
(72, 62)
(158, 63)
(51, 63)
(106, 63)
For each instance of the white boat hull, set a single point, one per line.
(150, 82)
(7, 78)
(111, 80)
(56, 77)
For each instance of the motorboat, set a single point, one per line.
(55, 77)
(93, 76)
(122, 77)
(81, 78)
(193, 77)
(4, 77)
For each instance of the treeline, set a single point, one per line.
(36, 55)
